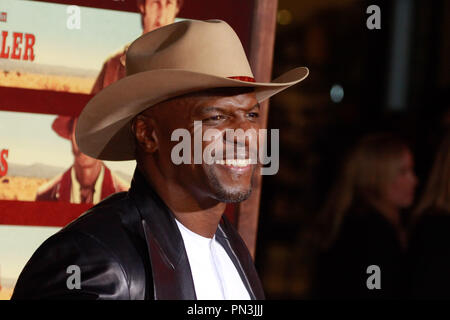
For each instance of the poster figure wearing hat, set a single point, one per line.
(88, 180)
(154, 14)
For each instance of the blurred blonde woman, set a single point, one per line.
(361, 224)
(430, 239)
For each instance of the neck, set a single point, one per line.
(203, 222)
(87, 176)
(199, 214)
(392, 215)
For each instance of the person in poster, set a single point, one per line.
(154, 14)
(89, 180)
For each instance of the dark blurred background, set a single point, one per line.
(396, 78)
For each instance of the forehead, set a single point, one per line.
(189, 104)
(221, 100)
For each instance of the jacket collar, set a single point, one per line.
(171, 273)
(172, 276)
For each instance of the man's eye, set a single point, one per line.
(253, 115)
(216, 118)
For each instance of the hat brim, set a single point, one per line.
(103, 130)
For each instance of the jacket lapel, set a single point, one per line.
(107, 184)
(63, 191)
(233, 244)
(170, 281)
(171, 272)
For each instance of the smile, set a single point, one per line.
(240, 163)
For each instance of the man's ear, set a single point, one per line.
(144, 130)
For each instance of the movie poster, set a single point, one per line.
(43, 49)
(37, 54)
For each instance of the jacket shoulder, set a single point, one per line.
(103, 219)
(106, 251)
(71, 265)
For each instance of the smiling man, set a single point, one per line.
(166, 238)
(221, 109)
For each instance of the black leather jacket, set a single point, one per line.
(127, 247)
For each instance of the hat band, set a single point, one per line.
(243, 78)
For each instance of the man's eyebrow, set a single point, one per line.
(210, 109)
(214, 108)
(257, 105)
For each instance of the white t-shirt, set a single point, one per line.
(214, 274)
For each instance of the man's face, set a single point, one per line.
(220, 110)
(157, 13)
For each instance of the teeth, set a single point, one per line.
(234, 162)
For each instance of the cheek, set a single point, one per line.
(213, 150)
(401, 191)
(165, 145)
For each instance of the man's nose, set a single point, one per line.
(245, 123)
(243, 130)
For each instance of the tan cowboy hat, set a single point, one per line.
(174, 60)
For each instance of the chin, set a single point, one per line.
(85, 161)
(229, 187)
(231, 195)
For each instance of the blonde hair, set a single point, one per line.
(363, 175)
(436, 194)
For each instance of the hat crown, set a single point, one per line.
(210, 47)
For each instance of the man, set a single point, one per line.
(154, 14)
(166, 237)
(88, 180)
